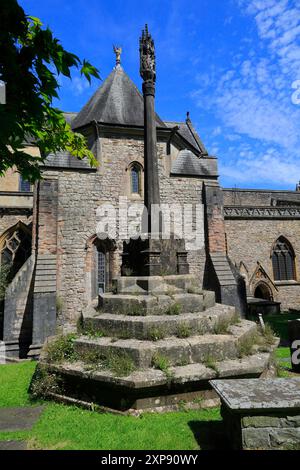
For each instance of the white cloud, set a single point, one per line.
(252, 99)
(265, 167)
(79, 85)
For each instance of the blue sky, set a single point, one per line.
(231, 63)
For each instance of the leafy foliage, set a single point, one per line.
(61, 349)
(31, 61)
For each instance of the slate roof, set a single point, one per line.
(187, 131)
(66, 160)
(69, 117)
(189, 164)
(119, 102)
(116, 101)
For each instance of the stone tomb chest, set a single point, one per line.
(261, 413)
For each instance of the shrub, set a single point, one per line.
(43, 383)
(194, 290)
(90, 331)
(269, 335)
(120, 363)
(174, 309)
(183, 331)
(156, 333)
(61, 349)
(92, 357)
(245, 345)
(161, 362)
(221, 326)
(210, 362)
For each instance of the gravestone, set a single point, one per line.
(294, 340)
(260, 414)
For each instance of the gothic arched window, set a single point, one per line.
(16, 248)
(283, 260)
(135, 178)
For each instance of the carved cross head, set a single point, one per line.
(147, 56)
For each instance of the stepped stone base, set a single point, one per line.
(170, 354)
(151, 389)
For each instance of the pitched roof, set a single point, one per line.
(187, 131)
(63, 159)
(188, 164)
(116, 101)
(69, 116)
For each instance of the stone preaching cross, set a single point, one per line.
(148, 74)
(152, 255)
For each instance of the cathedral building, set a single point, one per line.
(248, 241)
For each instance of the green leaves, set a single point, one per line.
(31, 59)
(89, 70)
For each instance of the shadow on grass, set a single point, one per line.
(210, 435)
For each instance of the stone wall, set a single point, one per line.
(257, 197)
(80, 192)
(251, 240)
(9, 220)
(18, 311)
(269, 431)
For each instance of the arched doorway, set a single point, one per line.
(262, 291)
(101, 266)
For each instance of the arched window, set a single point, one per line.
(283, 259)
(135, 178)
(16, 248)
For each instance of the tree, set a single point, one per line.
(31, 59)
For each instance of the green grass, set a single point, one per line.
(14, 383)
(284, 367)
(69, 427)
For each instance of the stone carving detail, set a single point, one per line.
(147, 57)
(232, 212)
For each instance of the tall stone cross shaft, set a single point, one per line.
(148, 74)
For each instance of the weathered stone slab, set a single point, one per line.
(269, 394)
(13, 445)
(261, 414)
(193, 349)
(17, 419)
(140, 327)
(248, 366)
(152, 284)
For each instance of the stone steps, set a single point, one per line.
(157, 285)
(251, 366)
(142, 327)
(223, 269)
(139, 305)
(177, 351)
